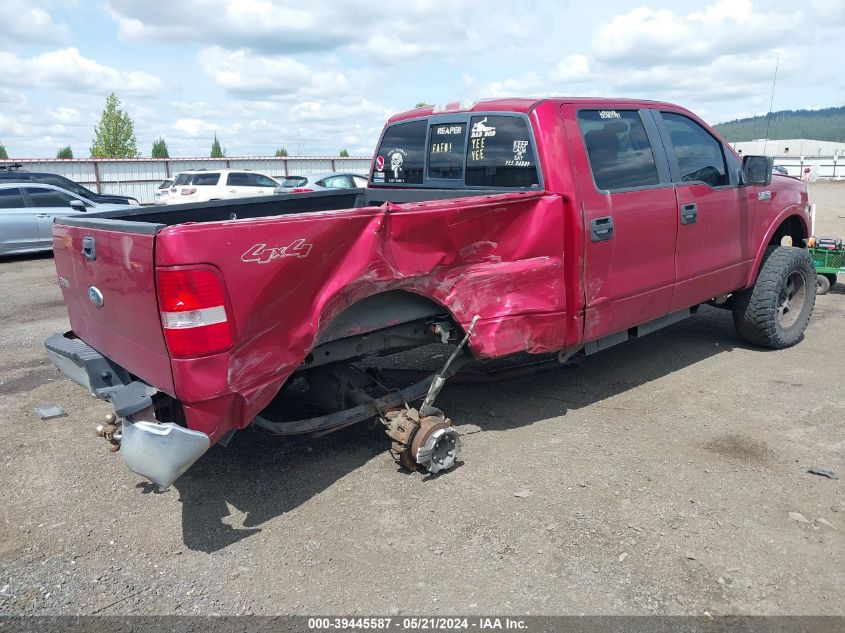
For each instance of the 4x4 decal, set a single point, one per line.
(263, 254)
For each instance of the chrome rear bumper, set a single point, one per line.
(161, 452)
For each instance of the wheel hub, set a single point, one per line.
(793, 293)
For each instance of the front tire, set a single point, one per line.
(775, 311)
(822, 284)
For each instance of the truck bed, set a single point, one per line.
(264, 206)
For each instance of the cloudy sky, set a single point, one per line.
(265, 74)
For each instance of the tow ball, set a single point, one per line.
(111, 432)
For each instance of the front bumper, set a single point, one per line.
(161, 452)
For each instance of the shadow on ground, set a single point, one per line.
(264, 476)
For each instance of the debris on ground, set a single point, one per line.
(797, 516)
(824, 521)
(522, 494)
(822, 472)
(50, 411)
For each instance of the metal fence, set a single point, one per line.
(820, 167)
(138, 177)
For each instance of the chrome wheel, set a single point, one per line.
(793, 294)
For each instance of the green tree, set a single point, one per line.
(159, 148)
(344, 153)
(65, 152)
(422, 104)
(3, 152)
(216, 152)
(282, 152)
(114, 137)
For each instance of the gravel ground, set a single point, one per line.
(667, 475)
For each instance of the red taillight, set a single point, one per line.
(189, 191)
(300, 190)
(193, 312)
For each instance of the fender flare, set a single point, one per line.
(783, 217)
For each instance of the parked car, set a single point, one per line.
(780, 169)
(201, 185)
(321, 182)
(13, 173)
(27, 212)
(162, 191)
(553, 227)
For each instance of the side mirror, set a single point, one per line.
(757, 170)
(77, 205)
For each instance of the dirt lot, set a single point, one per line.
(660, 478)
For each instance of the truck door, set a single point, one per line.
(630, 217)
(712, 255)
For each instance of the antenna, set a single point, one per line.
(771, 102)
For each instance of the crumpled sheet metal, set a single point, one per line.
(501, 257)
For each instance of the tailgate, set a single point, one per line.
(107, 275)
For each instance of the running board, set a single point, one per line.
(638, 331)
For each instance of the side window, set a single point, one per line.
(48, 197)
(700, 156)
(260, 180)
(446, 150)
(69, 185)
(335, 182)
(401, 154)
(205, 179)
(237, 179)
(360, 181)
(500, 153)
(618, 148)
(11, 199)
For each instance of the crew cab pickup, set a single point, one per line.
(549, 227)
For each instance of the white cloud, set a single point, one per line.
(649, 36)
(24, 23)
(193, 128)
(572, 68)
(67, 69)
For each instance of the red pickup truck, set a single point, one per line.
(550, 227)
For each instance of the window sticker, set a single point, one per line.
(397, 159)
(609, 114)
(519, 149)
(379, 163)
(482, 130)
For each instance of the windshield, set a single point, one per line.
(482, 150)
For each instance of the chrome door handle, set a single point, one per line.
(42, 215)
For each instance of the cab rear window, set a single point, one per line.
(500, 153)
(401, 155)
(486, 150)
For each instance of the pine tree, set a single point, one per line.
(160, 148)
(3, 152)
(344, 153)
(65, 152)
(114, 137)
(282, 152)
(216, 152)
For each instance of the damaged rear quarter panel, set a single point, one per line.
(500, 257)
